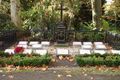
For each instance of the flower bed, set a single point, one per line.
(98, 59)
(21, 59)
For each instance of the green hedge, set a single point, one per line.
(37, 61)
(3, 54)
(25, 60)
(97, 60)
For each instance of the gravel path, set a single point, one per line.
(55, 75)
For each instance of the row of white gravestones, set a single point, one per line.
(86, 48)
(64, 51)
(31, 47)
(89, 45)
(33, 44)
(44, 43)
(28, 51)
(76, 43)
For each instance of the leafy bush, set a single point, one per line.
(3, 54)
(4, 61)
(97, 60)
(25, 60)
(36, 61)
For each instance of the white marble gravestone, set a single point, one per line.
(33, 42)
(36, 46)
(77, 43)
(85, 51)
(100, 51)
(115, 51)
(101, 47)
(98, 43)
(23, 43)
(62, 52)
(24, 46)
(27, 51)
(87, 47)
(45, 43)
(10, 51)
(41, 52)
(87, 43)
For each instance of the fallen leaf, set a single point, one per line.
(54, 71)
(11, 76)
(118, 67)
(71, 59)
(84, 69)
(1, 70)
(91, 78)
(68, 71)
(59, 75)
(3, 75)
(113, 71)
(85, 74)
(69, 75)
(98, 67)
(17, 68)
(53, 60)
(44, 66)
(61, 57)
(44, 69)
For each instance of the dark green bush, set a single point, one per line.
(36, 61)
(5, 61)
(97, 60)
(24, 60)
(3, 54)
(24, 55)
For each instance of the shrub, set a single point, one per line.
(24, 60)
(36, 61)
(97, 60)
(3, 54)
(5, 61)
(24, 55)
(20, 54)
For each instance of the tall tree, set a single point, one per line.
(0, 1)
(15, 13)
(96, 13)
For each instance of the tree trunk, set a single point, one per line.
(0, 2)
(96, 13)
(15, 13)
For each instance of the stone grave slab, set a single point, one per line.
(10, 51)
(45, 43)
(27, 51)
(87, 47)
(41, 52)
(101, 47)
(85, 51)
(98, 43)
(62, 52)
(77, 43)
(24, 46)
(115, 51)
(87, 43)
(100, 51)
(36, 46)
(33, 42)
(23, 43)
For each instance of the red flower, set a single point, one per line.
(19, 49)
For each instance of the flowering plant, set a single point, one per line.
(19, 49)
